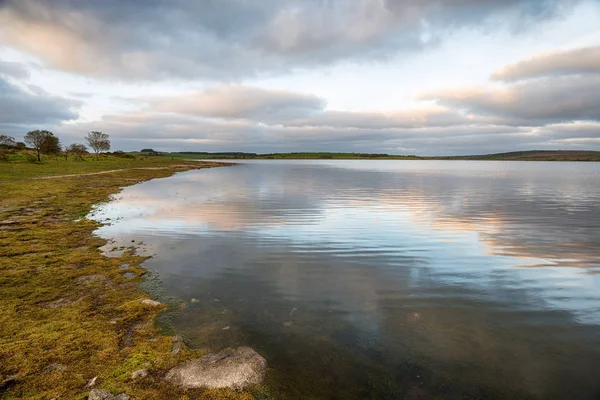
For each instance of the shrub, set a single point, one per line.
(122, 154)
(32, 158)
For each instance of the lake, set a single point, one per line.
(383, 279)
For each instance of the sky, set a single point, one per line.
(425, 77)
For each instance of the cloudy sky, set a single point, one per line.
(397, 76)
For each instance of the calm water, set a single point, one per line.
(384, 279)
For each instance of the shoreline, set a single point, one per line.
(73, 319)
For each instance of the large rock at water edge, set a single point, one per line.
(230, 368)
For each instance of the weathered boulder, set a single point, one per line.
(152, 303)
(97, 394)
(139, 374)
(230, 368)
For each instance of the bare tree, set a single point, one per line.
(77, 151)
(42, 141)
(98, 141)
(7, 141)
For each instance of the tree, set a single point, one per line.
(77, 150)
(7, 141)
(44, 142)
(98, 141)
(51, 145)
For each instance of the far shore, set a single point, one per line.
(533, 155)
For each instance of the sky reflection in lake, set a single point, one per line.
(426, 278)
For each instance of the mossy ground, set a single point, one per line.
(67, 312)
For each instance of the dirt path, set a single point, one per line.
(116, 170)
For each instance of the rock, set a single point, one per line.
(287, 324)
(226, 328)
(124, 267)
(139, 374)
(176, 339)
(177, 346)
(97, 394)
(150, 302)
(230, 368)
(194, 301)
(414, 317)
(91, 382)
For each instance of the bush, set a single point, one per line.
(32, 158)
(122, 154)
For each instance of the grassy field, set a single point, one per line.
(534, 155)
(67, 313)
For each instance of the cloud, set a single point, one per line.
(532, 115)
(231, 39)
(291, 109)
(410, 118)
(574, 61)
(237, 101)
(178, 132)
(551, 100)
(21, 108)
(13, 70)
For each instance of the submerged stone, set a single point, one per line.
(231, 368)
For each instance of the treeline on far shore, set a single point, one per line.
(268, 156)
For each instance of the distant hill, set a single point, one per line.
(532, 155)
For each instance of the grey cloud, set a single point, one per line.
(237, 102)
(576, 61)
(292, 109)
(530, 103)
(382, 120)
(229, 39)
(176, 132)
(13, 70)
(19, 107)
(575, 131)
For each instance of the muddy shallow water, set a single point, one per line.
(384, 279)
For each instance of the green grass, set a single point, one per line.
(67, 313)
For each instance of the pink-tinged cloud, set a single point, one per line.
(566, 62)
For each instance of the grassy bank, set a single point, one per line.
(534, 155)
(67, 313)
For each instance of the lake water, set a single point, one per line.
(383, 279)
